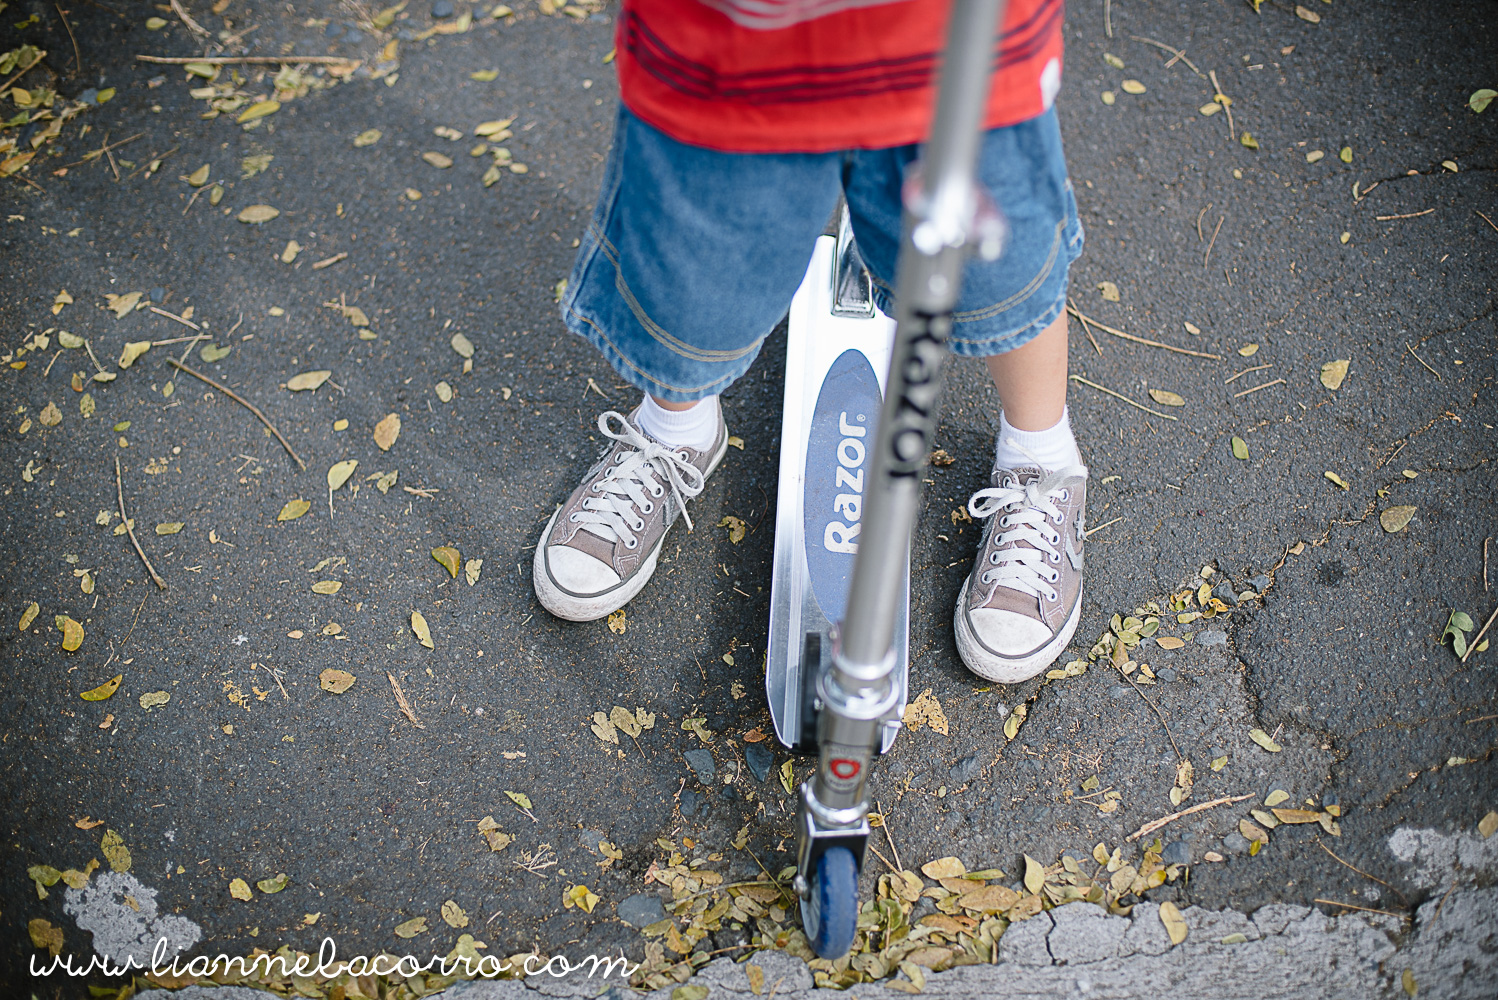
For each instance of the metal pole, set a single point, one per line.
(939, 223)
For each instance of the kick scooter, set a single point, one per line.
(848, 497)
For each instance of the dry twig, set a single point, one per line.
(242, 402)
(1365, 909)
(1176, 54)
(1487, 220)
(1472, 646)
(1085, 329)
(1256, 368)
(250, 60)
(129, 530)
(1245, 392)
(1092, 531)
(1361, 872)
(1411, 215)
(185, 322)
(22, 72)
(193, 26)
(329, 261)
(1141, 340)
(1156, 824)
(77, 59)
(1226, 103)
(1126, 399)
(400, 699)
(884, 824)
(1208, 255)
(1428, 368)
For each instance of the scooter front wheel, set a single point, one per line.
(830, 914)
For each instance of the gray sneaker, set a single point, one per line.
(601, 546)
(1020, 604)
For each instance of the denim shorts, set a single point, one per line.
(693, 255)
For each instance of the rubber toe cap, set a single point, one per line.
(1008, 633)
(577, 572)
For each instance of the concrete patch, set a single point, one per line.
(122, 914)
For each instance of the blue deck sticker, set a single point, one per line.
(838, 456)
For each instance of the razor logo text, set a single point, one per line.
(839, 535)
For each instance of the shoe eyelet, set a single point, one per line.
(658, 492)
(1055, 558)
(993, 557)
(1004, 521)
(572, 517)
(594, 487)
(619, 458)
(1054, 596)
(1054, 577)
(1065, 495)
(649, 508)
(632, 544)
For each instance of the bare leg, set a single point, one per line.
(1032, 379)
(679, 407)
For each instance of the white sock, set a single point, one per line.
(695, 428)
(1054, 448)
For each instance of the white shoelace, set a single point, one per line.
(637, 481)
(1031, 513)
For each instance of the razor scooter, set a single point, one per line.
(849, 494)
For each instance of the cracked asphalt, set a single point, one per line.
(250, 769)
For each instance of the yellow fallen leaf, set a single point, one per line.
(419, 626)
(1336, 479)
(327, 586)
(256, 214)
(257, 110)
(103, 691)
(308, 380)
(411, 928)
(1175, 924)
(387, 431)
(133, 350)
(1334, 372)
(72, 632)
(294, 509)
(335, 681)
(339, 472)
(29, 615)
(449, 558)
(1170, 642)
(735, 526)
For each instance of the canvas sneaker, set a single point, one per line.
(601, 546)
(1020, 604)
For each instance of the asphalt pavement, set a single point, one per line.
(1360, 227)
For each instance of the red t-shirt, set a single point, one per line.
(816, 75)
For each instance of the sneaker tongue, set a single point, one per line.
(1025, 476)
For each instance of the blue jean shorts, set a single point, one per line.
(693, 255)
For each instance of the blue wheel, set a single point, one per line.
(830, 916)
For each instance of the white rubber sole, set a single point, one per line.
(1005, 669)
(580, 608)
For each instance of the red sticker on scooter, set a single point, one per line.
(844, 768)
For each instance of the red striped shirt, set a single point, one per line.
(816, 75)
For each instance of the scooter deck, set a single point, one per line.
(837, 361)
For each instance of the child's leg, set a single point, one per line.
(691, 259)
(1019, 605)
(1031, 380)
